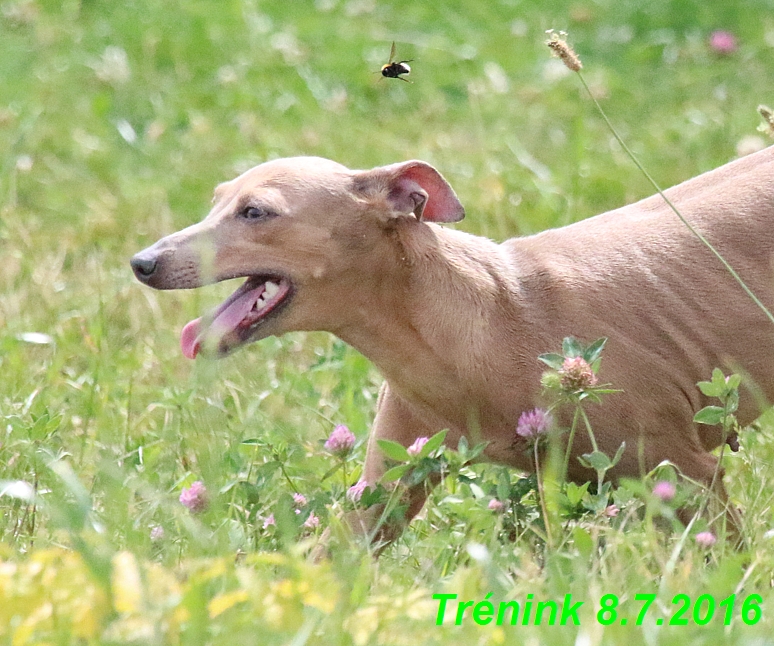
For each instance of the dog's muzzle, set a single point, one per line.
(144, 266)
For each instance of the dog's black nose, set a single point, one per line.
(143, 267)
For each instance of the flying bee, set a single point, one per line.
(394, 69)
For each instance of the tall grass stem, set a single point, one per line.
(671, 205)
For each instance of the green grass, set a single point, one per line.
(116, 122)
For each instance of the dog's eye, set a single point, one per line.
(256, 213)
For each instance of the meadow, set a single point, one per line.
(117, 119)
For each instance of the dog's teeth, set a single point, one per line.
(270, 289)
(260, 302)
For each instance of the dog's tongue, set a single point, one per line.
(225, 321)
(189, 339)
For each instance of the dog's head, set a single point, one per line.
(303, 231)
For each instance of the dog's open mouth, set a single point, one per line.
(238, 318)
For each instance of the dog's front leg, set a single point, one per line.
(394, 421)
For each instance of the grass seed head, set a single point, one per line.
(768, 116)
(559, 46)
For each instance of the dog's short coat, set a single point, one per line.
(455, 322)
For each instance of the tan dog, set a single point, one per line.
(455, 322)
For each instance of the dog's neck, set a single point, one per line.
(429, 325)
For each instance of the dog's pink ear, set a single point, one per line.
(416, 187)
